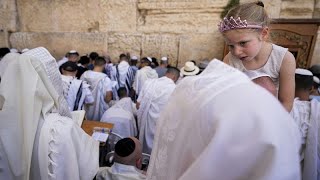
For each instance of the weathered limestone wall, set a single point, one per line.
(180, 29)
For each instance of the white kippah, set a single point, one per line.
(304, 72)
(24, 50)
(134, 58)
(316, 79)
(164, 59)
(13, 50)
(149, 58)
(72, 51)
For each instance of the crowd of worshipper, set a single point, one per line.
(253, 115)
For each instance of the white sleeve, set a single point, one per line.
(108, 84)
(88, 94)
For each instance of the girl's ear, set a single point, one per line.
(265, 34)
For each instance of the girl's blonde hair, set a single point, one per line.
(254, 13)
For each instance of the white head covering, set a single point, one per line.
(14, 50)
(164, 59)
(24, 50)
(134, 58)
(316, 79)
(189, 69)
(304, 72)
(225, 132)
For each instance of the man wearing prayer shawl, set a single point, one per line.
(306, 114)
(76, 92)
(221, 126)
(143, 74)
(122, 115)
(153, 98)
(38, 139)
(101, 88)
(123, 74)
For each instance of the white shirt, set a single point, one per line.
(119, 172)
(142, 76)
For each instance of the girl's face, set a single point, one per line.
(244, 44)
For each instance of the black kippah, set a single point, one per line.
(260, 3)
(69, 66)
(125, 147)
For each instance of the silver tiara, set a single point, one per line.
(231, 23)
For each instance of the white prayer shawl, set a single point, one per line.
(142, 76)
(122, 115)
(99, 85)
(76, 92)
(28, 145)
(215, 127)
(119, 172)
(4, 62)
(307, 116)
(123, 75)
(153, 98)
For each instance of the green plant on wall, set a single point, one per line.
(230, 4)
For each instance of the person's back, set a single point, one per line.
(162, 69)
(127, 162)
(122, 115)
(152, 99)
(306, 114)
(206, 137)
(101, 88)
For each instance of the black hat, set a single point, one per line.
(69, 66)
(125, 147)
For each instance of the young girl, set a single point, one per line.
(245, 29)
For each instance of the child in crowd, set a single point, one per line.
(245, 29)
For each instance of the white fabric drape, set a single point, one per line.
(35, 126)
(120, 172)
(153, 98)
(219, 125)
(122, 115)
(142, 76)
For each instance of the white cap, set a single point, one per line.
(73, 51)
(304, 72)
(164, 59)
(134, 58)
(316, 79)
(149, 58)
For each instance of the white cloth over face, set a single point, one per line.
(76, 92)
(36, 141)
(215, 126)
(122, 115)
(153, 98)
(142, 76)
(100, 84)
(307, 116)
(120, 172)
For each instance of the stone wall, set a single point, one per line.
(180, 29)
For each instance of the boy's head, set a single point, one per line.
(73, 56)
(84, 60)
(122, 92)
(123, 57)
(69, 68)
(99, 62)
(304, 80)
(93, 56)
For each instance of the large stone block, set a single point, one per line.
(159, 45)
(200, 46)
(316, 12)
(179, 16)
(316, 55)
(297, 9)
(8, 14)
(60, 43)
(77, 16)
(123, 43)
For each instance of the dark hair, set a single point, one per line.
(123, 56)
(315, 69)
(69, 66)
(84, 60)
(93, 55)
(122, 92)
(99, 61)
(303, 82)
(4, 51)
(145, 60)
(173, 70)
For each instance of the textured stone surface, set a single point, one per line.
(8, 15)
(316, 55)
(77, 16)
(316, 12)
(123, 43)
(60, 43)
(4, 39)
(200, 46)
(158, 45)
(297, 9)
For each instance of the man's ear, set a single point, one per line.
(139, 163)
